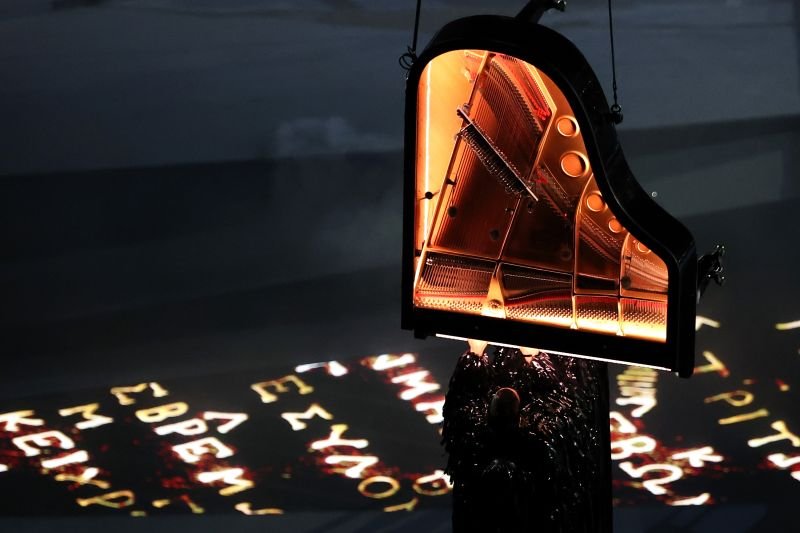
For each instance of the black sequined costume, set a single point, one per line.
(527, 443)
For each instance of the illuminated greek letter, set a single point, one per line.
(387, 361)
(437, 483)
(86, 478)
(280, 387)
(629, 390)
(653, 485)
(701, 321)
(784, 461)
(634, 445)
(334, 368)
(433, 411)
(3, 468)
(394, 486)
(636, 380)
(737, 398)
(187, 428)
(785, 326)
(246, 508)
(408, 506)
(645, 402)
(231, 476)
(122, 396)
(12, 421)
(624, 425)
(314, 410)
(162, 412)
(742, 418)
(702, 499)
(76, 457)
(43, 440)
(192, 451)
(641, 386)
(714, 365)
(234, 419)
(91, 420)
(361, 462)
(335, 439)
(122, 393)
(196, 509)
(783, 433)
(638, 373)
(699, 456)
(415, 384)
(115, 500)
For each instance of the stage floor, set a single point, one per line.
(216, 406)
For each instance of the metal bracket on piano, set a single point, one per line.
(492, 158)
(534, 9)
(709, 267)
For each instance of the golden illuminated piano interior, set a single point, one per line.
(509, 220)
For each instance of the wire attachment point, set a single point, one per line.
(407, 60)
(616, 114)
(616, 109)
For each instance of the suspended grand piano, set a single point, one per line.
(524, 225)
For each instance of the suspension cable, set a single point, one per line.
(407, 59)
(616, 109)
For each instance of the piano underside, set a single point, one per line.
(509, 221)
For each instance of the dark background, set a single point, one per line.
(192, 188)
